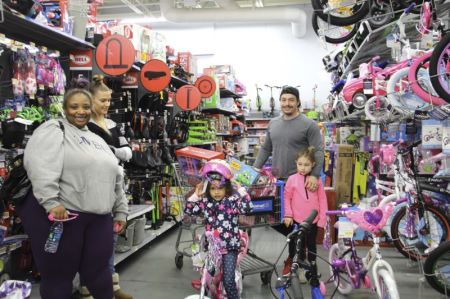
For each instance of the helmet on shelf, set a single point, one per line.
(217, 170)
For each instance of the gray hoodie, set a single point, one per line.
(76, 169)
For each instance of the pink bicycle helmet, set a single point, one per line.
(217, 170)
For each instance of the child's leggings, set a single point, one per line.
(85, 247)
(309, 241)
(229, 267)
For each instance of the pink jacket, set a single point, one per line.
(299, 202)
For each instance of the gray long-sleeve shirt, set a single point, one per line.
(284, 139)
(76, 169)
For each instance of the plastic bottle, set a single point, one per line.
(56, 230)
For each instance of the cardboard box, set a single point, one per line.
(343, 173)
(351, 135)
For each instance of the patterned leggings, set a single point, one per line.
(229, 267)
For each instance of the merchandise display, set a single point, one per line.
(187, 131)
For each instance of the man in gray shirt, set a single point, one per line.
(288, 134)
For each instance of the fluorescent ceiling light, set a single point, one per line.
(259, 3)
(133, 7)
(143, 20)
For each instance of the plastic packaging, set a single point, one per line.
(56, 230)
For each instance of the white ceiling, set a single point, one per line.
(125, 9)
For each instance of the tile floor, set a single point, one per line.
(151, 273)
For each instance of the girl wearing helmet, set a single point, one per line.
(221, 206)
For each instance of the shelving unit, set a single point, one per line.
(21, 28)
(150, 235)
(218, 111)
(138, 210)
(225, 93)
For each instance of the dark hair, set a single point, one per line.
(291, 90)
(97, 85)
(308, 153)
(80, 82)
(74, 91)
(228, 189)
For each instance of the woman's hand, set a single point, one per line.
(199, 189)
(59, 212)
(119, 226)
(288, 221)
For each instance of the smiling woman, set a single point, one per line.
(77, 107)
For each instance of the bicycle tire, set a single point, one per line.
(344, 286)
(385, 278)
(380, 115)
(411, 101)
(396, 235)
(436, 57)
(333, 40)
(296, 287)
(361, 12)
(417, 89)
(380, 16)
(430, 266)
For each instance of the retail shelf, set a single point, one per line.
(10, 247)
(218, 111)
(256, 118)
(256, 128)
(177, 82)
(370, 42)
(138, 210)
(255, 136)
(150, 235)
(202, 143)
(225, 93)
(21, 28)
(224, 134)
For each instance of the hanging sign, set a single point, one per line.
(206, 85)
(115, 55)
(80, 60)
(130, 80)
(155, 75)
(188, 97)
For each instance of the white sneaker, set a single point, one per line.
(301, 275)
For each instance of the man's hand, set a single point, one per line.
(312, 183)
(59, 212)
(288, 221)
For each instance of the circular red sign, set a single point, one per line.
(188, 97)
(206, 85)
(115, 55)
(155, 75)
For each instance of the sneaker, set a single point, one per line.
(196, 284)
(301, 275)
(287, 266)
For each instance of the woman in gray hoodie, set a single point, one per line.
(73, 170)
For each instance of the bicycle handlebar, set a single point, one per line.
(428, 187)
(409, 8)
(305, 225)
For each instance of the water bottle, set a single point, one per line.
(56, 230)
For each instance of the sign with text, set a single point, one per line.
(115, 55)
(188, 97)
(155, 75)
(80, 60)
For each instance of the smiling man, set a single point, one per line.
(288, 134)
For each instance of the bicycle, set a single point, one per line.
(348, 270)
(292, 280)
(437, 268)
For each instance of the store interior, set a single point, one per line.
(196, 80)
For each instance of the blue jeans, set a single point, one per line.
(229, 268)
(111, 260)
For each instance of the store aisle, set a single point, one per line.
(151, 273)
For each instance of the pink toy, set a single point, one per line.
(372, 219)
(72, 216)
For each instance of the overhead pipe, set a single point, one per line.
(227, 14)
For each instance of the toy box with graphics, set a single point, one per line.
(352, 136)
(243, 173)
(431, 134)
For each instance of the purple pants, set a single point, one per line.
(85, 247)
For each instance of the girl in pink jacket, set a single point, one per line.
(298, 204)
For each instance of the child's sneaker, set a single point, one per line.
(301, 275)
(287, 266)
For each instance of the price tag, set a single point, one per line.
(2, 35)
(345, 229)
(57, 53)
(41, 87)
(367, 86)
(44, 49)
(32, 44)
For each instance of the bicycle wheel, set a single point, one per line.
(437, 268)
(380, 14)
(333, 34)
(413, 244)
(388, 287)
(400, 93)
(343, 281)
(419, 87)
(341, 15)
(378, 109)
(440, 68)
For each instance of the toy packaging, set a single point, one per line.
(243, 173)
(431, 134)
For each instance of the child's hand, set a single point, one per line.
(236, 184)
(199, 189)
(288, 221)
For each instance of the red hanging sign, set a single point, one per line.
(206, 85)
(155, 75)
(188, 97)
(115, 55)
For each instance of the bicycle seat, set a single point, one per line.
(372, 219)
